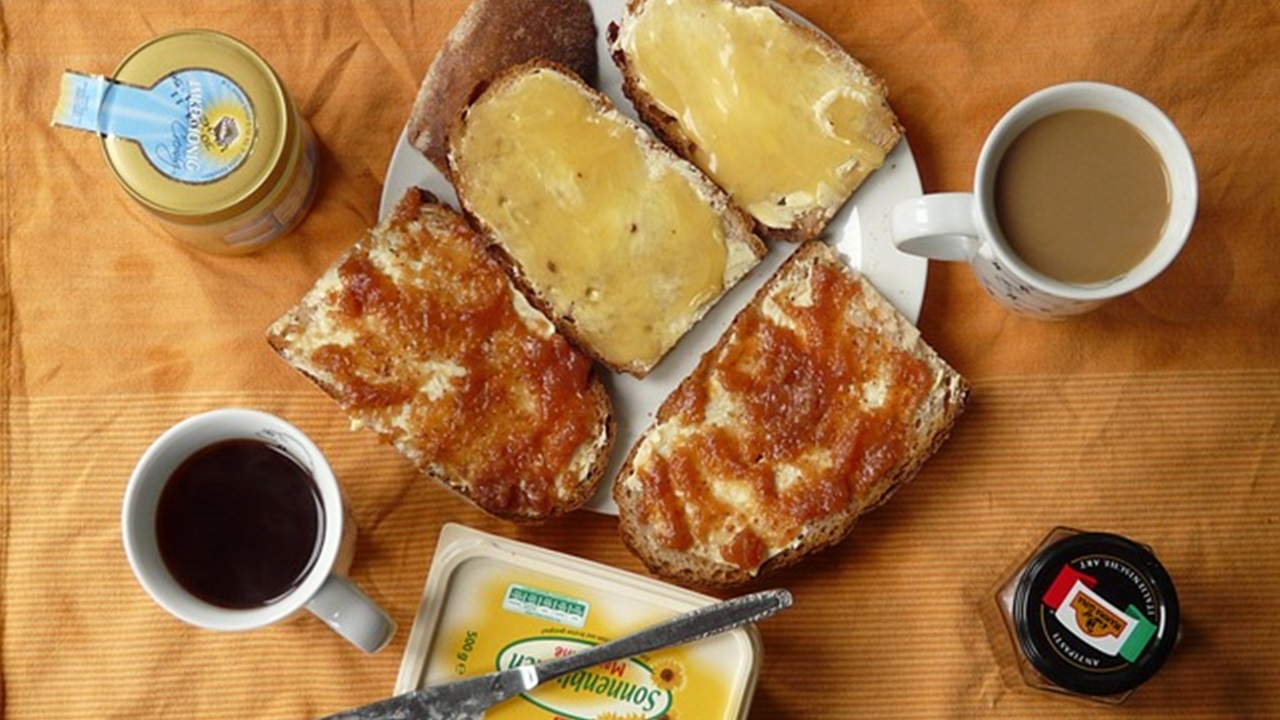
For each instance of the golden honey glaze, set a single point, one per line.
(626, 246)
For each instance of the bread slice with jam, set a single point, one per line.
(817, 403)
(418, 334)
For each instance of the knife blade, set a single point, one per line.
(468, 699)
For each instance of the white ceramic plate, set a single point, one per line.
(860, 231)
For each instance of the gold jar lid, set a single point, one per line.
(258, 138)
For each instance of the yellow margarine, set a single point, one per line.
(492, 604)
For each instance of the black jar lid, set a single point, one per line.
(1096, 614)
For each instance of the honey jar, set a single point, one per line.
(199, 130)
(1090, 614)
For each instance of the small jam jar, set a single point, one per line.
(1091, 614)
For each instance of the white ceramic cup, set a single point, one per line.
(962, 226)
(325, 590)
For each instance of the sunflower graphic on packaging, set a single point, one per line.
(668, 675)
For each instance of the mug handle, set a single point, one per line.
(938, 226)
(352, 614)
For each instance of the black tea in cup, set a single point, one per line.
(239, 524)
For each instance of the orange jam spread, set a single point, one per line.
(440, 355)
(802, 412)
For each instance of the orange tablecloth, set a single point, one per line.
(1157, 416)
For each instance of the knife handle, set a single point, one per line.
(694, 625)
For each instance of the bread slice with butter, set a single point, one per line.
(778, 114)
(418, 334)
(491, 36)
(620, 242)
(817, 403)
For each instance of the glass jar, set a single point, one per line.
(199, 130)
(1091, 614)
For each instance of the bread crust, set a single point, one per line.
(576, 482)
(491, 36)
(811, 223)
(738, 226)
(930, 430)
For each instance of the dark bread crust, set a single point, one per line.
(808, 225)
(738, 226)
(280, 338)
(931, 431)
(491, 36)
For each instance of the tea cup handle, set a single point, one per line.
(938, 226)
(352, 614)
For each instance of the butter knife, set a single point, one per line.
(468, 699)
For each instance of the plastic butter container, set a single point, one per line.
(492, 603)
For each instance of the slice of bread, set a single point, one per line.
(491, 36)
(777, 113)
(620, 242)
(419, 336)
(817, 403)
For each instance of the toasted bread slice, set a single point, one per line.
(419, 335)
(620, 242)
(776, 113)
(491, 36)
(817, 403)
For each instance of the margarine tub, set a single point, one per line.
(199, 130)
(492, 604)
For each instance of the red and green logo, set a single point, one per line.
(1095, 621)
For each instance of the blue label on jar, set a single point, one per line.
(195, 126)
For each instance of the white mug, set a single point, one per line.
(324, 589)
(962, 226)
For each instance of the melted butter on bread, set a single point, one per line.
(606, 226)
(777, 115)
